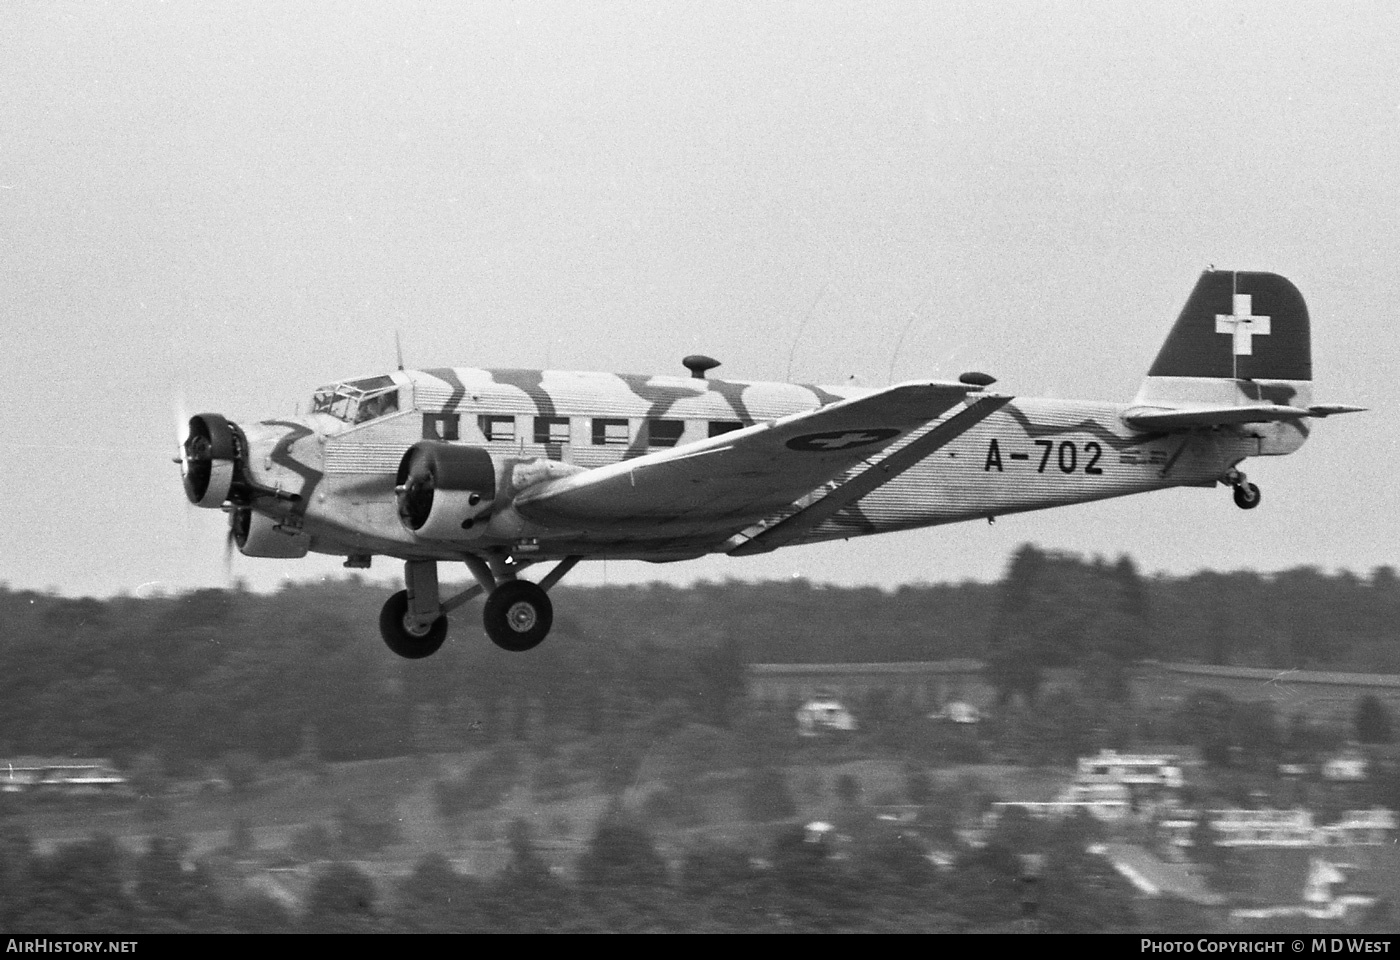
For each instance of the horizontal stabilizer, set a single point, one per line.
(1332, 409)
(1159, 419)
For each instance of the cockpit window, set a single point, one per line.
(358, 401)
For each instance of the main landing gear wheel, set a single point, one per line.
(518, 615)
(1247, 496)
(403, 636)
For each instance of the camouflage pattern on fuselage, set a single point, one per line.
(1028, 455)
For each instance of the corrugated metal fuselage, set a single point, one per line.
(1028, 455)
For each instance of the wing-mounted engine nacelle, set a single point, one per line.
(258, 535)
(446, 491)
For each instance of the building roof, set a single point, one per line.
(912, 667)
(967, 665)
(51, 763)
(1386, 680)
(1154, 877)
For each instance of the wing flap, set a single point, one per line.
(871, 478)
(738, 477)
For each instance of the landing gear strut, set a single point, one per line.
(413, 622)
(517, 614)
(1247, 495)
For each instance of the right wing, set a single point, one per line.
(739, 477)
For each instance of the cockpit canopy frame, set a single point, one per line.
(357, 401)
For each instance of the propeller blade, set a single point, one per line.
(182, 434)
(230, 544)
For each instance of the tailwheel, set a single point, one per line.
(1247, 496)
(518, 615)
(407, 636)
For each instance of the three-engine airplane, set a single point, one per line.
(503, 469)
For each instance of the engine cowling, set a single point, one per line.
(446, 491)
(210, 460)
(258, 535)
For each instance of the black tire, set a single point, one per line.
(399, 638)
(1247, 496)
(518, 616)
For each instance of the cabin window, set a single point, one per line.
(442, 426)
(498, 428)
(608, 432)
(551, 429)
(664, 433)
(724, 426)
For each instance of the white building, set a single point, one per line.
(1105, 810)
(72, 777)
(824, 715)
(1132, 769)
(1320, 900)
(1347, 766)
(958, 712)
(1285, 828)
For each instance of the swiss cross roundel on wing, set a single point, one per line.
(833, 440)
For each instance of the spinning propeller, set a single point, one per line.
(209, 452)
(415, 494)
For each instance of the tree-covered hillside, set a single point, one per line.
(200, 675)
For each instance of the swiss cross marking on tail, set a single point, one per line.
(1241, 326)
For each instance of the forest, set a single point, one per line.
(196, 676)
(265, 688)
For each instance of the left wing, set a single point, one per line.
(738, 477)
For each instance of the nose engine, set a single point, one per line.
(446, 491)
(215, 458)
(213, 461)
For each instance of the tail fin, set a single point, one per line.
(1242, 337)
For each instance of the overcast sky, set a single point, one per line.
(241, 201)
